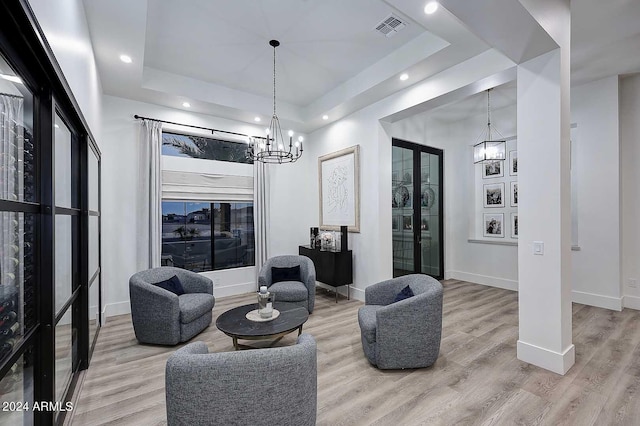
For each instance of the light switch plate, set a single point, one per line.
(538, 248)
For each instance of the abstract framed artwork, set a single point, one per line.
(493, 225)
(514, 194)
(513, 163)
(492, 169)
(514, 225)
(494, 195)
(339, 184)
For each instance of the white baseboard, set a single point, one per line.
(557, 362)
(484, 280)
(232, 290)
(631, 302)
(354, 293)
(117, 308)
(597, 300)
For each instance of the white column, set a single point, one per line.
(544, 213)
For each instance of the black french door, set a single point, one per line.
(49, 240)
(417, 209)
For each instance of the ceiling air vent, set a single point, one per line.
(390, 26)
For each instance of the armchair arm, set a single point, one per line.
(195, 283)
(155, 313)
(310, 283)
(383, 293)
(264, 277)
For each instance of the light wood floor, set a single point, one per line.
(476, 380)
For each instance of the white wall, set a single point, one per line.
(596, 267)
(65, 26)
(482, 263)
(120, 195)
(630, 189)
(596, 271)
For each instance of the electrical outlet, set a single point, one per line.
(632, 283)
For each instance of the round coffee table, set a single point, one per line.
(235, 324)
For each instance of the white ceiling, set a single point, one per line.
(215, 53)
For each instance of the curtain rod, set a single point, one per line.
(212, 130)
(9, 95)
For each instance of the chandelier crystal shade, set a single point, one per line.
(488, 149)
(274, 148)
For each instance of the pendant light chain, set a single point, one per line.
(489, 113)
(274, 80)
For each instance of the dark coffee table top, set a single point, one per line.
(234, 322)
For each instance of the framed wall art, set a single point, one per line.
(513, 163)
(493, 225)
(494, 195)
(514, 225)
(514, 194)
(339, 184)
(492, 169)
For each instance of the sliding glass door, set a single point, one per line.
(49, 230)
(417, 220)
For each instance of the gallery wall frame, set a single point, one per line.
(493, 195)
(514, 193)
(514, 225)
(339, 189)
(493, 169)
(493, 225)
(513, 163)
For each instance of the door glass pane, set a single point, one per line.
(63, 260)
(197, 237)
(17, 291)
(233, 233)
(94, 244)
(17, 387)
(429, 214)
(94, 180)
(63, 164)
(64, 353)
(94, 308)
(17, 154)
(402, 202)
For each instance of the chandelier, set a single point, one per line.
(488, 149)
(274, 148)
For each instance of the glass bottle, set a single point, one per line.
(265, 302)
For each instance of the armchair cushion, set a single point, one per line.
(289, 291)
(173, 285)
(285, 274)
(194, 305)
(404, 294)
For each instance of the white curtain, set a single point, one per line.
(149, 209)
(261, 212)
(11, 188)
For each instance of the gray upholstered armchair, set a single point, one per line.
(160, 316)
(404, 334)
(275, 386)
(301, 293)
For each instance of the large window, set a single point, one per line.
(190, 146)
(207, 236)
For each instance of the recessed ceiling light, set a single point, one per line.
(257, 119)
(56, 126)
(126, 59)
(325, 117)
(431, 7)
(186, 104)
(404, 76)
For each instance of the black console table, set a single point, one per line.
(334, 268)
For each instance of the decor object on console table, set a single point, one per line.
(280, 388)
(313, 237)
(344, 238)
(339, 183)
(334, 268)
(407, 333)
